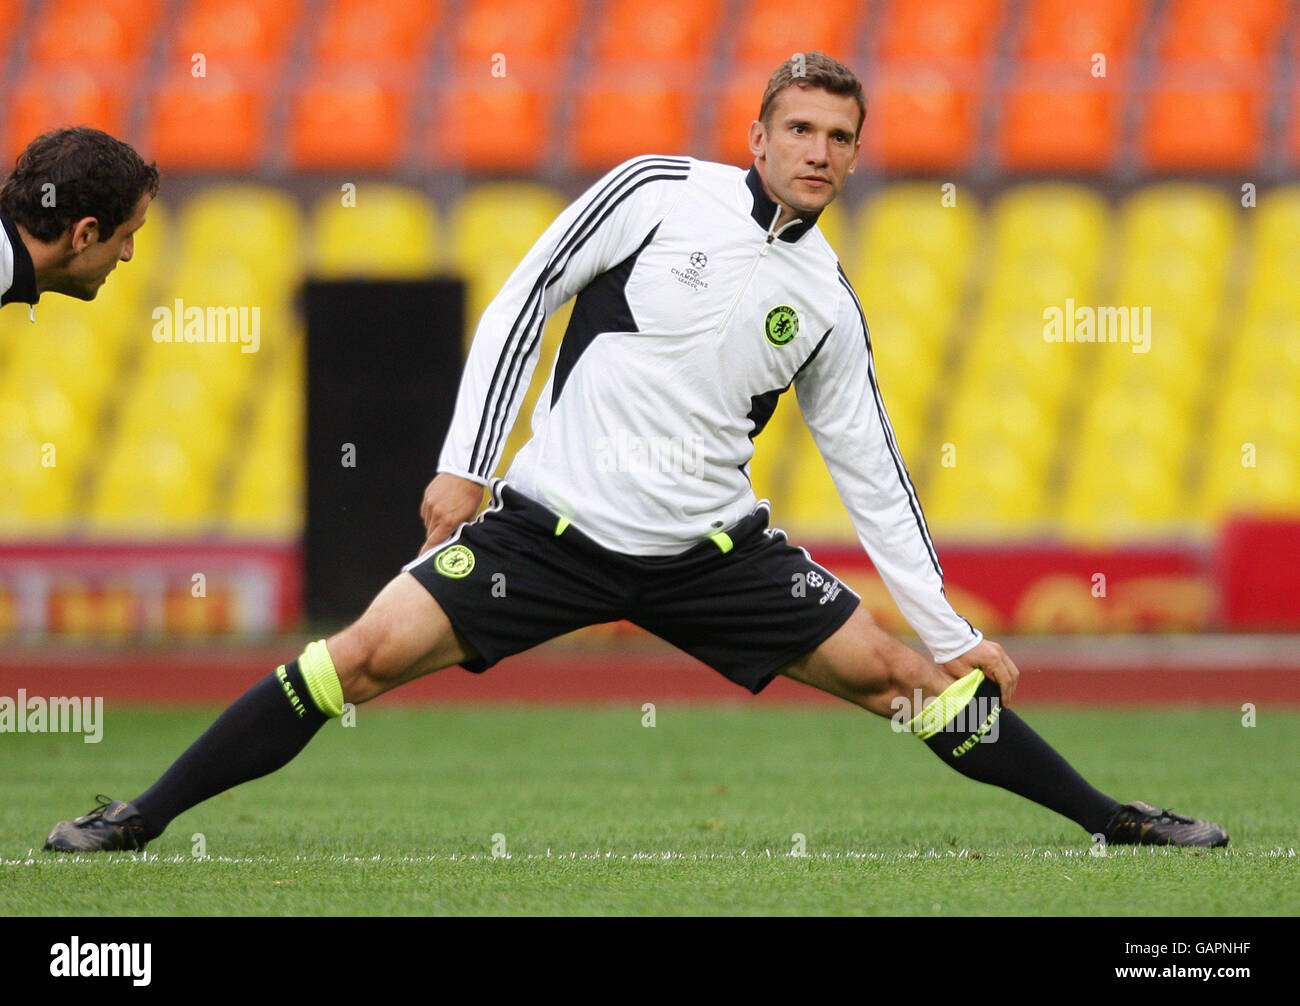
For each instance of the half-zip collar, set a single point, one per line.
(765, 211)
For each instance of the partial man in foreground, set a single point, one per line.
(69, 211)
(703, 291)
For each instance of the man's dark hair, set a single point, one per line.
(813, 69)
(92, 174)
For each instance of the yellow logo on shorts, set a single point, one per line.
(455, 562)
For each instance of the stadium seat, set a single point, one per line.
(267, 497)
(492, 228)
(71, 351)
(768, 34)
(520, 30)
(38, 496)
(251, 37)
(655, 98)
(939, 29)
(1233, 33)
(727, 137)
(487, 123)
(391, 232)
(214, 123)
(349, 118)
(259, 226)
(1056, 119)
(911, 216)
(923, 116)
(94, 34)
(1252, 461)
(1055, 221)
(665, 32)
(1068, 32)
(365, 31)
(1199, 117)
(53, 96)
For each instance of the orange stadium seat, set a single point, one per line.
(93, 33)
(740, 100)
(368, 31)
(347, 118)
(49, 97)
(663, 31)
(216, 123)
(1200, 117)
(939, 29)
(9, 16)
(1058, 119)
(521, 30)
(655, 102)
(768, 34)
(1244, 32)
(1067, 30)
(921, 117)
(239, 34)
(494, 124)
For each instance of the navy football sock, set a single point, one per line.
(262, 731)
(983, 740)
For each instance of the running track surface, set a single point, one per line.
(1134, 672)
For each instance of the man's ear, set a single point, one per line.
(85, 232)
(857, 149)
(757, 137)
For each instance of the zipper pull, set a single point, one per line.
(767, 244)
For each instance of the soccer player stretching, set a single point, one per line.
(703, 292)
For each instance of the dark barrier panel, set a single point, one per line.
(383, 364)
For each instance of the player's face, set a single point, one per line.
(89, 267)
(811, 148)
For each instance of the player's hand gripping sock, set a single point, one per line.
(263, 731)
(969, 729)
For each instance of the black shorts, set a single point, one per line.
(518, 576)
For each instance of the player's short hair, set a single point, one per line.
(68, 174)
(817, 70)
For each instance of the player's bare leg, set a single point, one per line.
(863, 664)
(403, 635)
(964, 722)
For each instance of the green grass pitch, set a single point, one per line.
(598, 814)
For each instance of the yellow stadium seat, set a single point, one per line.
(501, 218)
(911, 215)
(808, 505)
(69, 353)
(154, 485)
(1063, 223)
(1250, 469)
(492, 228)
(834, 225)
(391, 232)
(39, 464)
(914, 288)
(267, 495)
(776, 451)
(989, 487)
(1197, 218)
(260, 227)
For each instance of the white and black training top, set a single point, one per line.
(17, 274)
(692, 317)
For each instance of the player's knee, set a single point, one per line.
(365, 662)
(904, 670)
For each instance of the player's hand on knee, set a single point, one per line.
(449, 501)
(990, 658)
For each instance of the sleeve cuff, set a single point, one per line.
(444, 469)
(943, 656)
